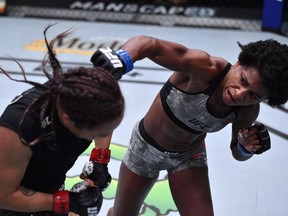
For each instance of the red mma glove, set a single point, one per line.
(96, 169)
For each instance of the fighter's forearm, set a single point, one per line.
(26, 200)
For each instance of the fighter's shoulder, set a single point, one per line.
(204, 58)
(14, 112)
(218, 62)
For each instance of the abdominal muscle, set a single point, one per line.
(165, 132)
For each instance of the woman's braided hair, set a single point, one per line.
(270, 58)
(89, 96)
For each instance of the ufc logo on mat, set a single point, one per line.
(115, 61)
(93, 211)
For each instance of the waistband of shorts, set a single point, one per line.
(152, 142)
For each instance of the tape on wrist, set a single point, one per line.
(243, 151)
(100, 155)
(126, 58)
(61, 202)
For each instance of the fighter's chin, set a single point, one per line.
(228, 103)
(228, 99)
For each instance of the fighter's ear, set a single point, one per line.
(66, 119)
(63, 116)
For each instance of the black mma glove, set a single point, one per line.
(82, 199)
(117, 62)
(96, 169)
(264, 138)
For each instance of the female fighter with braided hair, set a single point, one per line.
(203, 95)
(46, 128)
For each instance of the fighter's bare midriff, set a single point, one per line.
(166, 133)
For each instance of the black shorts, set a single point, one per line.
(4, 212)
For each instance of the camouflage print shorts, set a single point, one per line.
(144, 159)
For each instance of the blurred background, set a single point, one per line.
(257, 187)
